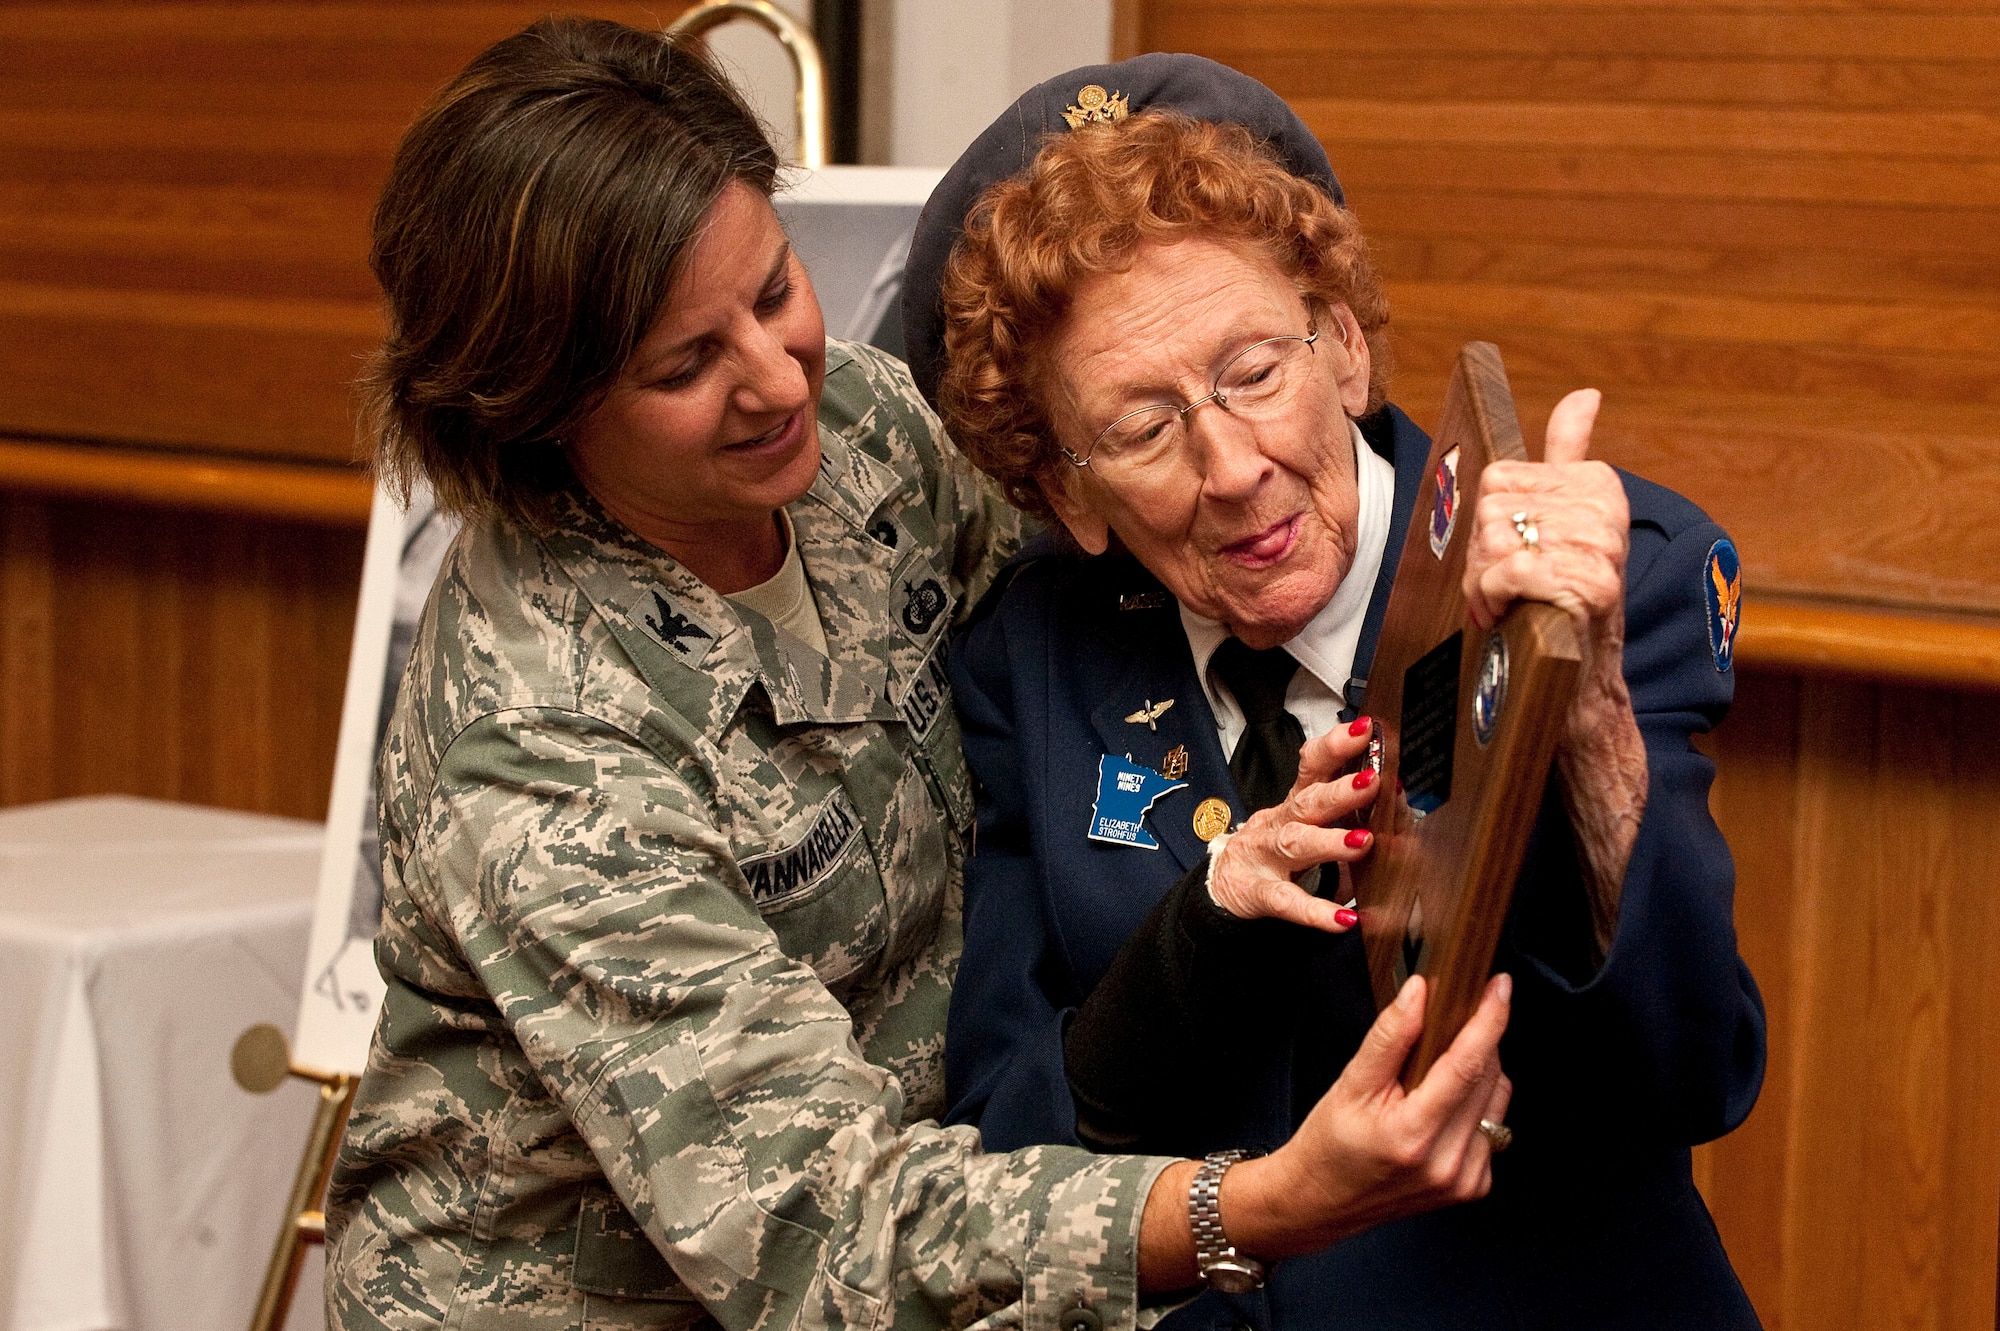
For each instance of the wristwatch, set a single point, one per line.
(1220, 1265)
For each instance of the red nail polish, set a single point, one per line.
(1359, 726)
(1357, 838)
(1363, 779)
(1345, 918)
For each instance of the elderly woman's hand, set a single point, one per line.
(1254, 873)
(1578, 511)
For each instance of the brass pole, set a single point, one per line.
(260, 1064)
(799, 45)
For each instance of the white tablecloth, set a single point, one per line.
(140, 1188)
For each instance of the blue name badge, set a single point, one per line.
(1125, 790)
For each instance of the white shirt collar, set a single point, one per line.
(1326, 646)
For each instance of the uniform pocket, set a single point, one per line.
(822, 895)
(614, 1256)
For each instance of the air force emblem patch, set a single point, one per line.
(923, 604)
(1722, 588)
(1125, 790)
(678, 630)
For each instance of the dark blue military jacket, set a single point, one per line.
(1593, 1221)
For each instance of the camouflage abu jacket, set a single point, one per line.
(671, 915)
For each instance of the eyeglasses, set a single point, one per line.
(1257, 384)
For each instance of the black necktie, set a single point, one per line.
(1266, 761)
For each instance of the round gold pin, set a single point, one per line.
(1211, 818)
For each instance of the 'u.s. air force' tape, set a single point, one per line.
(800, 867)
(927, 694)
(1125, 790)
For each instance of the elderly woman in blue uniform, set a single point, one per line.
(1144, 310)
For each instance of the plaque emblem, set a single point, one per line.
(1444, 504)
(1211, 818)
(1723, 589)
(1490, 695)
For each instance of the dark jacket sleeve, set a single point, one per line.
(1003, 1052)
(1179, 983)
(1668, 1033)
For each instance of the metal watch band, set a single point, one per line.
(1220, 1265)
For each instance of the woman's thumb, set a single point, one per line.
(1568, 437)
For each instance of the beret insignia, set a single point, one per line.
(1094, 104)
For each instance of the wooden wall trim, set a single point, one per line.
(1781, 634)
(297, 492)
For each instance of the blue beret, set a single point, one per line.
(1193, 85)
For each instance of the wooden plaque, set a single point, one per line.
(1469, 722)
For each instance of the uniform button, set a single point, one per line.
(1081, 1318)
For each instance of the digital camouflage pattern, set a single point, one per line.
(671, 915)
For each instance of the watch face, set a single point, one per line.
(1233, 1275)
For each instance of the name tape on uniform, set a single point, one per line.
(779, 876)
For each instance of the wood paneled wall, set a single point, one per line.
(184, 201)
(185, 657)
(1769, 230)
(1864, 1191)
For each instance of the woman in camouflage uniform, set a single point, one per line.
(673, 809)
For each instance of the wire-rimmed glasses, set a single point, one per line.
(1258, 382)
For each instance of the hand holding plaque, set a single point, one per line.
(1470, 718)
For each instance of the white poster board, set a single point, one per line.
(343, 990)
(851, 227)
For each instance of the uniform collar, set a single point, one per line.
(702, 655)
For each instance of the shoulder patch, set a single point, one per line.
(1722, 588)
(677, 629)
(918, 599)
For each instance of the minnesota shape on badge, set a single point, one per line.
(1722, 587)
(1125, 791)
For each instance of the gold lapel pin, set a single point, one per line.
(1174, 766)
(1211, 818)
(1149, 715)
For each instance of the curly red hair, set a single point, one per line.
(1084, 206)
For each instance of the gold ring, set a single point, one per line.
(1499, 1134)
(1530, 534)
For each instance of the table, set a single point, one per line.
(140, 1188)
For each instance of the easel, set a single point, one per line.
(260, 1062)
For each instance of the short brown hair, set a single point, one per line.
(535, 219)
(1087, 202)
